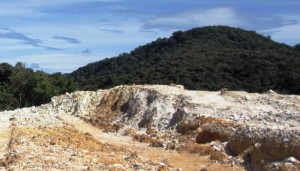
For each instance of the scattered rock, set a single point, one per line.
(12, 119)
(171, 146)
(53, 142)
(287, 167)
(157, 143)
(162, 167)
(223, 91)
(219, 156)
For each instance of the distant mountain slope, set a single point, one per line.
(208, 58)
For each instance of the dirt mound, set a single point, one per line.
(166, 128)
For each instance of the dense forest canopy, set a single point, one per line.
(22, 87)
(207, 58)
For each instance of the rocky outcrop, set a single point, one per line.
(259, 131)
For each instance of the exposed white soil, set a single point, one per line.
(189, 130)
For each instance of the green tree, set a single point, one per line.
(5, 72)
(62, 83)
(21, 80)
(22, 87)
(297, 47)
(7, 100)
(43, 89)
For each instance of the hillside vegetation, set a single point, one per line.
(208, 58)
(22, 87)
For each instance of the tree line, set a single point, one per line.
(23, 87)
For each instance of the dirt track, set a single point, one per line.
(185, 161)
(5, 133)
(79, 146)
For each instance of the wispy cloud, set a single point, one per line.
(41, 46)
(194, 18)
(148, 31)
(34, 66)
(24, 39)
(67, 39)
(19, 36)
(39, 9)
(86, 52)
(11, 10)
(285, 33)
(112, 30)
(6, 29)
(55, 3)
(281, 28)
(54, 62)
(261, 21)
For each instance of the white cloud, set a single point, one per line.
(288, 33)
(34, 8)
(195, 18)
(40, 3)
(16, 11)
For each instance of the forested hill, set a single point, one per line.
(208, 58)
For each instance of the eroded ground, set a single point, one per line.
(154, 127)
(77, 145)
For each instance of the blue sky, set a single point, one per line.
(62, 35)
